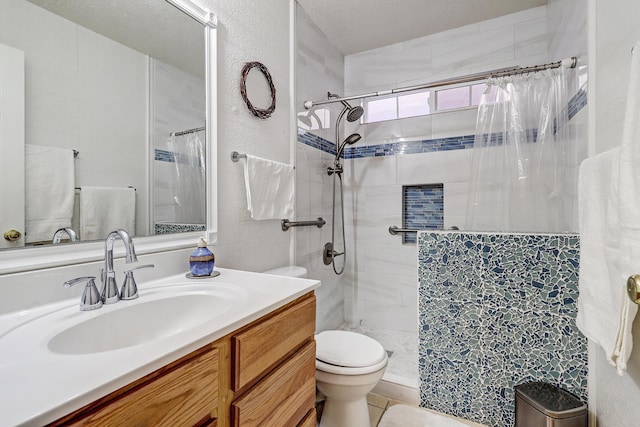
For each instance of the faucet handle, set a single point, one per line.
(91, 296)
(129, 287)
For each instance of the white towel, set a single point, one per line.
(630, 150)
(604, 310)
(49, 191)
(106, 209)
(629, 177)
(269, 187)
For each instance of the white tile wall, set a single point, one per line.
(381, 286)
(320, 69)
(383, 283)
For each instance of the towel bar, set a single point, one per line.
(286, 224)
(235, 156)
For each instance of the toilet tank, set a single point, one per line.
(290, 271)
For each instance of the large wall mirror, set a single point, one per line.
(113, 132)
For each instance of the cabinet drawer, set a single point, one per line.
(261, 347)
(284, 397)
(186, 395)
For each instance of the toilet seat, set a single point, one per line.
(348, 353)
(341, 370)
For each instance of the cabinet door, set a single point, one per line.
(261, 347)
(284, 397)
(11, 144)
(185, 396)
(310, 420)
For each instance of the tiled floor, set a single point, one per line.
(377, 406)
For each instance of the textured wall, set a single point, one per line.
(497, 310)
(250, 31)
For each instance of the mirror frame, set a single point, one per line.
(35, 258)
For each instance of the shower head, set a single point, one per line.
(305, 119)
(354, 112)
(351, 139)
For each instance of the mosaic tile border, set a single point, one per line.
(169, 156)
(577, 103)
(496, 310)
(315, 141)
(166, 228)
(422, 208)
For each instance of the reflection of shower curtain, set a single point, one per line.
(525, 158)
(189, 186)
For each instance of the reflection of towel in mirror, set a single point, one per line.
(269, 187)
(105, 209)
(49, 191)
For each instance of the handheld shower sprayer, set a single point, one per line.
(351, 139)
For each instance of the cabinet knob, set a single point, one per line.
(633, 288)
(12, 235)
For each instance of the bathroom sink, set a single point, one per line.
(139, 323)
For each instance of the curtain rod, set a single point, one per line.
(567, 62)
(184, 132)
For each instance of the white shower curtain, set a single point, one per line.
(524, 174)
(189, 185)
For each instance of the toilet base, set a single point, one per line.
(341, 413)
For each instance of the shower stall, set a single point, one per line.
(414, 155)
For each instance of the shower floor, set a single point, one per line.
(402, 348)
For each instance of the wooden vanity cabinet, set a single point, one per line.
(260, 375)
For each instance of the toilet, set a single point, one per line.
(289, 270)
(348, 366)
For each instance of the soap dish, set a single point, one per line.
(191, 276)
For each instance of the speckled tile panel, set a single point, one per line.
(495, 311)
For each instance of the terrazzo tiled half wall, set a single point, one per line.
(495, 311)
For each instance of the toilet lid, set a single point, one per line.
(349, 349)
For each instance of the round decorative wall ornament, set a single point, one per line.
(258, 112)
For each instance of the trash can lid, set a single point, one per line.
(551, 400)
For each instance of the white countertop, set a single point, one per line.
(38, 386)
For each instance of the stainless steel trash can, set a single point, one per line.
(540, 404)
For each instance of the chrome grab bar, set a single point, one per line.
(286, 224)
(393, 230)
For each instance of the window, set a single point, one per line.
(401, 106)
(448, 99)
(381, 109)
(416, 104)
(478, 90)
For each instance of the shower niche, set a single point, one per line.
(422, 208)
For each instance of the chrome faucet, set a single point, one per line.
(109, 291)
(57, 236)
